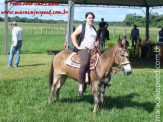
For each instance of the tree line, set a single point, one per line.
(155, 20)
(36, 20)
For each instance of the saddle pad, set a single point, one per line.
(77, 65)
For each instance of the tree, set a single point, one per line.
(155, 20)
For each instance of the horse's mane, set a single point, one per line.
(108, 52)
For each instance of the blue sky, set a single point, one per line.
(109, 14)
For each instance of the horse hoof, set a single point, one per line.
(56, 100)
(49, 101)
(94, 112)
(80, 93)
(100, 107)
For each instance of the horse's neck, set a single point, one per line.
(106, 62)
(103, 33)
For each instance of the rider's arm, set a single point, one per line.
(138, 33)
(106, 26)
(99, 25)
(74, 36)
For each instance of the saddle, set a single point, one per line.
(74, 59)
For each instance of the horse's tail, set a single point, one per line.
(51, 75)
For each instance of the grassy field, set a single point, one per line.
(41, 43)
(24, 91)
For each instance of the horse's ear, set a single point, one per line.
(119, 42)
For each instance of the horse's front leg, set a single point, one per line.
(102, 90)
(101, 95)
(95, 93)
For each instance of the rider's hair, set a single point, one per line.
(89, 13)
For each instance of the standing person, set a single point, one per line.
(145, 48)
(124, 41)
(17, 38)
(134, 35)
(103, 25)
(161, 35)
(87, 41)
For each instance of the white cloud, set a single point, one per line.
(1, 1)
(159, 10)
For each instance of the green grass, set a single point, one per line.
(36, 42)
(41, 43)
(24, 91)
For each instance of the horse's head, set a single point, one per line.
(121, 58)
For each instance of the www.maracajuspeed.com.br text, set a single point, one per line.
(35, 12)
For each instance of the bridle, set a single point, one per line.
(116, 70)
(119, 68)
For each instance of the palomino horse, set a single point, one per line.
(103, 38)
(60, 71)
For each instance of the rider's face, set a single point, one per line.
(90, 19)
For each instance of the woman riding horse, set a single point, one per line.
(60, 71)
(87, 43)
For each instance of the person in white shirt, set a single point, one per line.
(87, 42)
(17, 38)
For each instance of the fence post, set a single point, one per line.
(46, 30)
(158, 36)
(125, 31)
(65, 30)
(31, 29)
(52, 30)
(27, 29)
(58, 29)
(113, 32)
(41, 30)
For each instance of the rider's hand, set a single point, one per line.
(81, 48)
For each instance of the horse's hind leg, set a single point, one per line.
(95, 93)
(60, 83)
(53, 87)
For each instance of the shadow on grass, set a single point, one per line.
(119, 102)
(138, 63)
(30, 65)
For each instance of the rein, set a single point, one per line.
(118, 68)
(120, 64)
